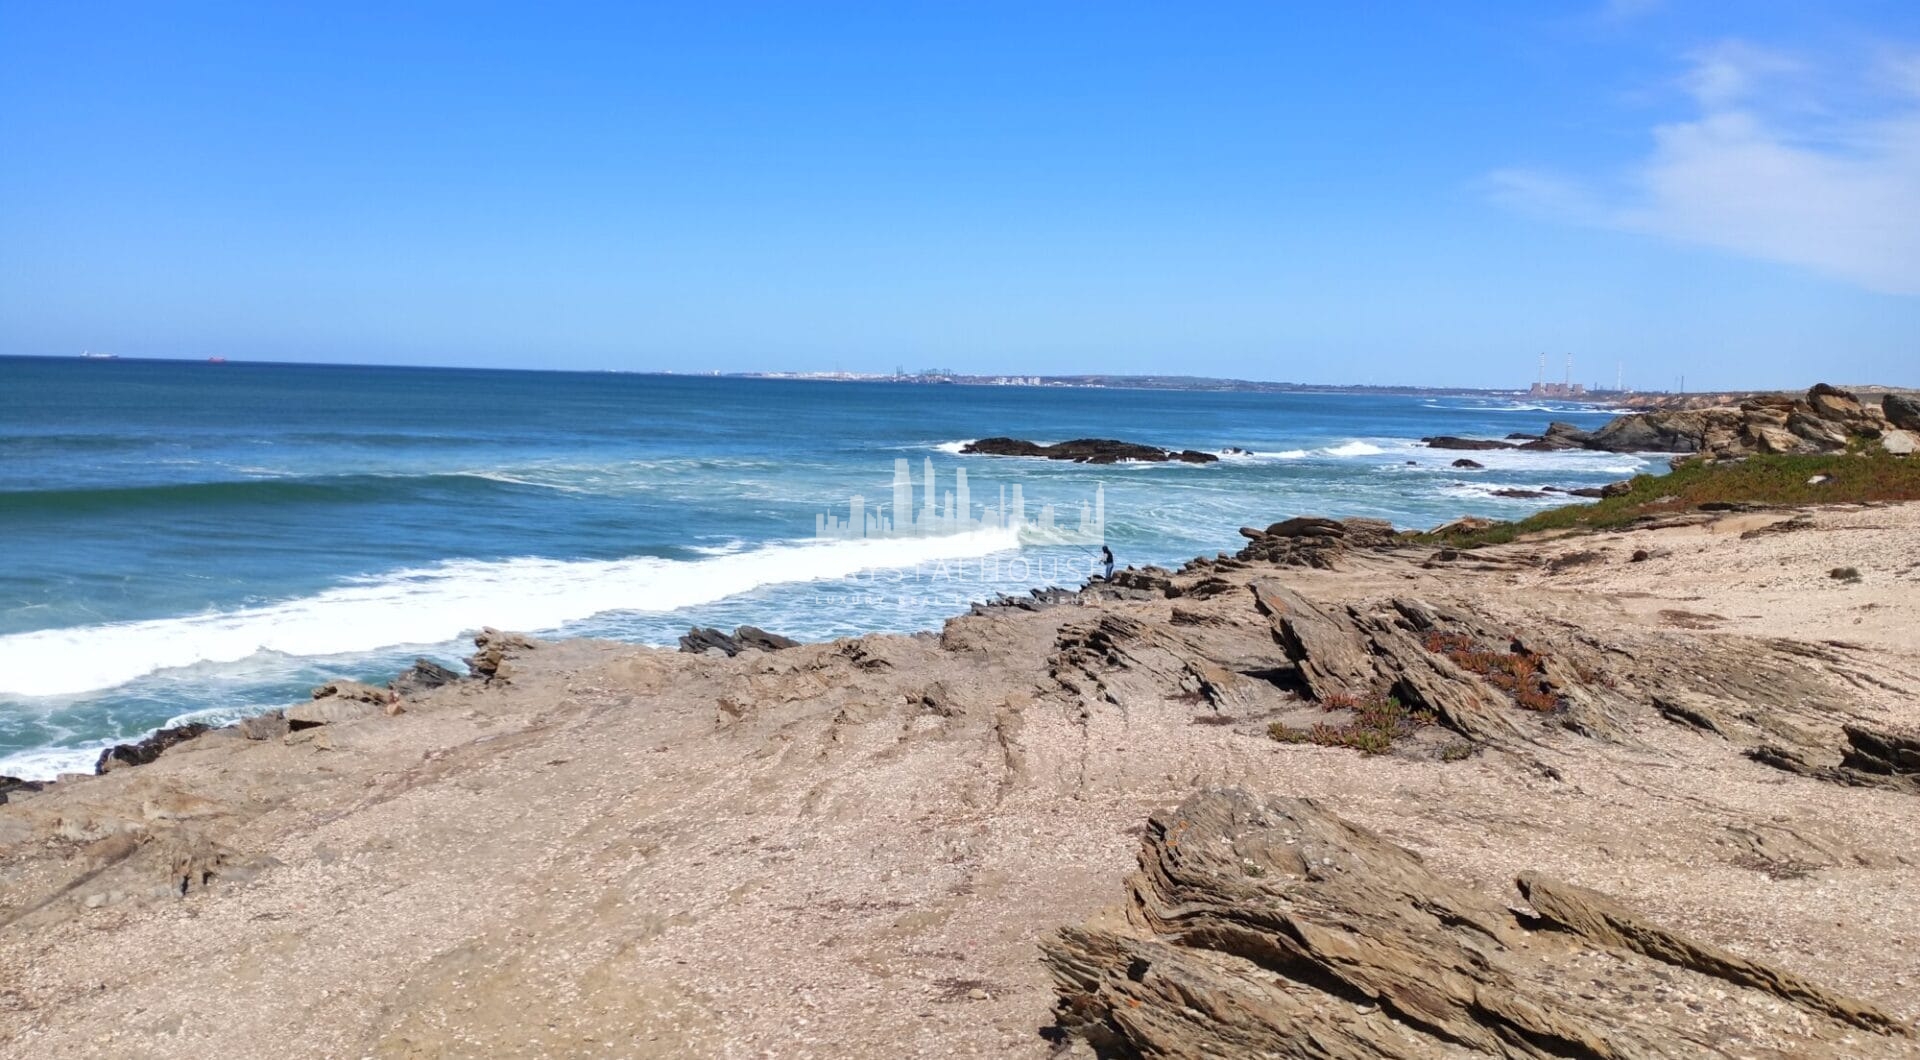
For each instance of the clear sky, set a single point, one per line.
(1425, 193)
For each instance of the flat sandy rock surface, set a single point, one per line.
(858, 849)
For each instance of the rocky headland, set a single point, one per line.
(1823, 420)
(1344, 792)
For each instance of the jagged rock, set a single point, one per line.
(1825, 420)
(1269, 927)
(1600, 919)
(269, 726)
(1688, 712)
(490, 661)
(760, 640)
(1035, 600)
(1832, 403)
(1465, 463)
(144, 751)
(1329, 653)
(1448, 441)
(1086, 451)
(1617, 489)
(1312, 541)
(1902, 410)
(702, 639)
(1156, 581)
(423, 675)
(1559, 436)
(1884, 753)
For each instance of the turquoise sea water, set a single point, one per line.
(195, 540)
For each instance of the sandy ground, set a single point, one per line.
(853, 849)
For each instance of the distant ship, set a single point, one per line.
(91, 356)
(216, 360)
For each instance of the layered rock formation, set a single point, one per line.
(1087, 451)
(1267, 926)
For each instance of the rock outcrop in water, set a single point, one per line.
(148, 749)
(1087, 451)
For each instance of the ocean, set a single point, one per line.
(202, 541)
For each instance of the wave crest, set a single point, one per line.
(430, 606)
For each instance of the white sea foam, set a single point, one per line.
(46, 763)
(955, 447)
(520, 480)
(425, 607)
(1251, 457)
(1353, 448)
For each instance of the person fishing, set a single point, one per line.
(1106, 559)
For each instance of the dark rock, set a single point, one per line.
(1587, 491)
(702, 639)
(1575, 559)
(1447, 441)
(1616, 489)
(1519, 494)
(145, 751)
(1464, 462)
(10, 786)
(1640, 555)
(424, 674)
(1307, 526)
(760, 640)
(1035, 600)
(1902, 411)
(1086, 451)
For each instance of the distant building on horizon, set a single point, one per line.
(1558, 390)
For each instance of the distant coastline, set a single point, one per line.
(938, 377)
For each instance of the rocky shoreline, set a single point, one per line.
(1824, 420)
(1640, 792)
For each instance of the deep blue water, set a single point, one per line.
(207, 540)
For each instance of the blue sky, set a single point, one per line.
(1418, 193)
